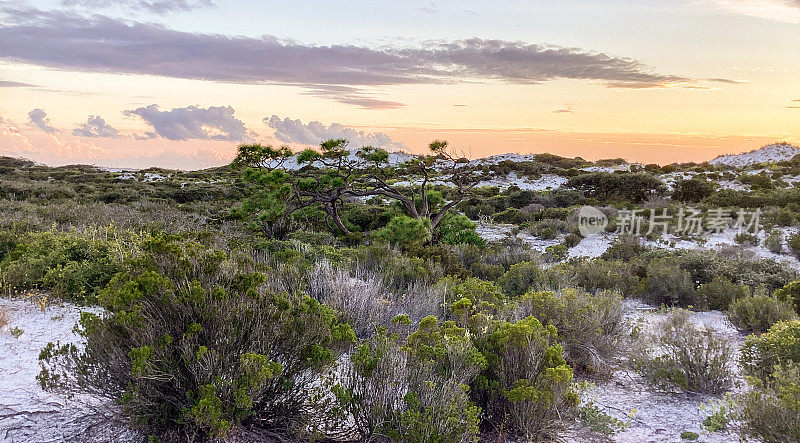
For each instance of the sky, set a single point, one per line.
(180, 84)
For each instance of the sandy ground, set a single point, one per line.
(28, 414)
(660, 416)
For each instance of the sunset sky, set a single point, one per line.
(137, 83)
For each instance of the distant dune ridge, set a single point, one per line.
(767, 154)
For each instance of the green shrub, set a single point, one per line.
(74, 266)
(521, 278)
(405, 231)
(774, 242)
(191, 350)
(770, 410)
(589, 326)
(526, 385)
(794, 244)
(457, 229)
(780, 345)
(417, 391)
(677, 353)
(693, 190)
(667, 284)
(790, 293)
(721, 292)
(759, 312)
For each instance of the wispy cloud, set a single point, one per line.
(312, 133)
(10, 84)
(156, 6)
(193, 122)
(778, 10)
(65, 40)
(38, 119)
(95, 126)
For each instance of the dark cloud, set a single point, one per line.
(156, 6)
(95, 126)
(38, 119)
(295, 131)
(64, 40)
(10, 84)
(193, 122)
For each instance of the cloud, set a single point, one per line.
(193, 122)
(95, 126)
(38, 119)
(295, 131)
(430, 8)
(568, 109)
(10, 84)
(64, 40)
(777, 10)
(157, 6)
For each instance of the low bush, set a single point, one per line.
(759, 312)
(74, 266)
(525, 388)
(404, 231)
(417, 391)
(589, 326)
(774, 242)
(667, 284)
(794, 244)
(678, 353)
(521, 278)
(770, 410)
(780, 345)
(791, 294)
(190, 350)
(721, 292)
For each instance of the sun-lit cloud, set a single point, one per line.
(65, 40)
(38, 119)
(193, 122)
(312, 133)
(95, 126)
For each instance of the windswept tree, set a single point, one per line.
(333, 174)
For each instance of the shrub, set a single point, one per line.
(780, 345)
(526, 385)
(774, 242)
(456, 229)
(589, 326)
(191, 350)
(666, 283)
(770, 411)
(759, 312)
(608, 186)
(405, 231)
(693, 190)
(680, 354)
(412, 392)
(794, 244)
(746, 239)
(721, 292)
(625, 247)
(572, 240)
(521, 278)
(790, 293)
(72, 265)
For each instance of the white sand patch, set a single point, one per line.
(27, 413)
(660, 416)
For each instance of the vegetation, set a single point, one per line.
(346, 295)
